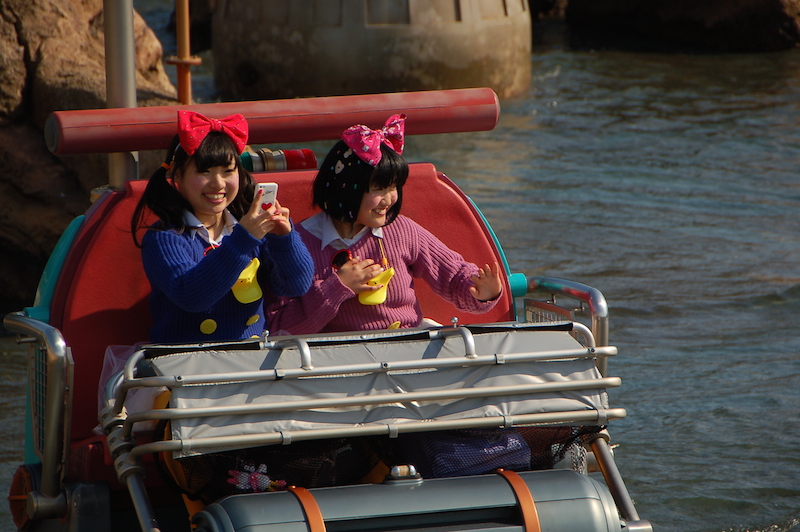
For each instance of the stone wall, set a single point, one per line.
(275, 49)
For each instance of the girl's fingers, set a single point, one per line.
(486, 282)
(254, 205)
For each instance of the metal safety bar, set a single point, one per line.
(131, 381)
(616, 486)
(592, 297)
(596, 304)
(141, 503)
(119, 385)
(302, 346)
(118, 424)
(52, 442)
(466, 334)
(374, 429)
(371, 400)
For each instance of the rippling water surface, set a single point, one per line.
(669, 182)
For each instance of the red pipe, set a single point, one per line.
(274, 121)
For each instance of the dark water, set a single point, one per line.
(669, 182)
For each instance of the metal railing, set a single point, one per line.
(50, 371)
(118, 423)
(591, 301)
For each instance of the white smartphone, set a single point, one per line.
(270, 193)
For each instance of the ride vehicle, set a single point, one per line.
(538, 364)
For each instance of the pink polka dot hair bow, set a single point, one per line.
(193, 128)
(366, 142)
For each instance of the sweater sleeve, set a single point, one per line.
(311, 312)
(445, 271)
(291, 268)
(176, 266)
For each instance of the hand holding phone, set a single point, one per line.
(267, 200)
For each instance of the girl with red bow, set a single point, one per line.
(366, 254)
(214, 252)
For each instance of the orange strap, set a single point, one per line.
(530, 519)
(310, 507)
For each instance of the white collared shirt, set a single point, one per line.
(197, 227)
(321, 226)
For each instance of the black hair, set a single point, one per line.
(164, 200)
(339, 193)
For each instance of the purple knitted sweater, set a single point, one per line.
(330, 306)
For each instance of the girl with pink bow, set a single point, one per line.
(366, 254)
(213, 252)
(359, 238)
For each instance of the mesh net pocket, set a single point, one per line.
(458, 452)
(550, 445)
(478, 451)
(310, 464)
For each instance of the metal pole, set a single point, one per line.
(120, 80)
(144, 510)
(613, 479)
(184, 60)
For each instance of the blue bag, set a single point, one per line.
(464, 452)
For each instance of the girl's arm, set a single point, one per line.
(291, 269)
(175, 265)
(445, 271)
(311, 312)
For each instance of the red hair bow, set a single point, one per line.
(193, 128)
(366, 142)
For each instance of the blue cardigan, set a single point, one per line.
(192, 299)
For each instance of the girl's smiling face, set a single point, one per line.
(374, 206)
(209, 192)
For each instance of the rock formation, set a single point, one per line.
(52, 58)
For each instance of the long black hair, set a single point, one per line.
(343, 179)
(164, 200)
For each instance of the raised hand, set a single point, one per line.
(275, 219)
(280, 219)
(487, 283)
